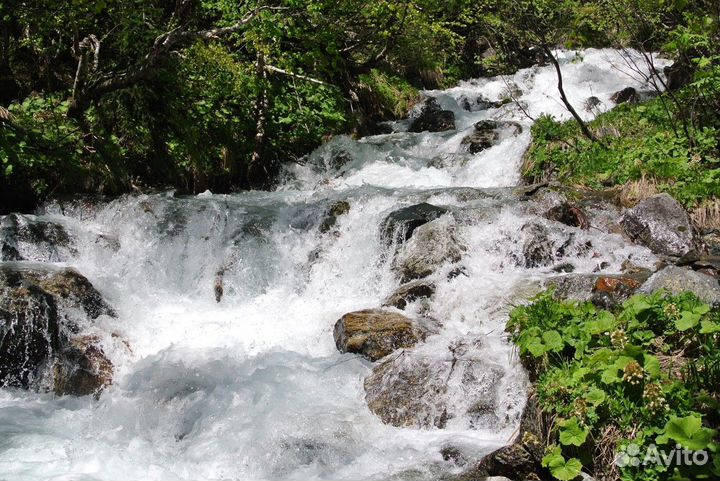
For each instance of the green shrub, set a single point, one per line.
(648, 372)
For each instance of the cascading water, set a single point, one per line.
(253, 387)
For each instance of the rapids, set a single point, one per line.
(253, 387)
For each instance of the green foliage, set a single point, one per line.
(394, 95)
(633, 371)
(638, 142)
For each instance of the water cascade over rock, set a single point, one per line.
(222, 340)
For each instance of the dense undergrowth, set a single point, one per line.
(621, 389)
(637, 142)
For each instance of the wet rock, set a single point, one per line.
(484, 136)
(521, 460)
(82, 368)
(606, 291)
(375, 333)
(679, 279)
(678, 75)
(661, 224)
(410, 292)
(538, 249)
(591, 103)
(400, 225)
(335, 210)
(41, 313)
(453, 454)
(415, 390)
(433, 118)
(568, 214)
(478, 103)
(707, 264)
(628, 94)
(431, 246)
(33, 239)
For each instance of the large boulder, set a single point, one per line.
(400, 224)
(42, 314)
(375, 333)
(568, 214)
(626, 95)
(433, 118)
(419, 390)
(679, 279)
(661, 224)
(432, 245)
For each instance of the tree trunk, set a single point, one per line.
(257, 173)
(583, 127)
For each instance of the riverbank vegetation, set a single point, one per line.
(111, 96)
(616, 385)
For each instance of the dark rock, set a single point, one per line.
(484, 136)
(538, 249)
(565, 267)
(678, 75)
(661, 224)
(335, 210)
(628, 94)
(400, 225)
(410, 292)
(82, 368)
(705, 263)
(679, 279)
(433, 119)
(591, 103)
(41, 313)
(431, 246)
(375, 333)
(478, 103)
(568, 214)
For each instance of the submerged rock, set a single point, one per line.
(433, 118)
(41, 313)
(410, 292)
(432, 245)
(628, 94)
(28, 238)
(400, 224)
(679, 279)
(417, 390)
(335, 210)
(661, 224)
(538, 249)
(375, 333)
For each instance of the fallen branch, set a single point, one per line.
(270, 68)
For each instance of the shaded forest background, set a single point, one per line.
(111, 96)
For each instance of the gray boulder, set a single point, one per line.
(433, 118)
(400, 225)
(661, 224)
(678, 279)
(418, 390)
(407, 293)
(432, 245)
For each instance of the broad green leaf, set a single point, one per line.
(709, 327)
(553, 341)
(595, 396)
(572, 433)
(688, 432)
(687, 321)
(560, 468)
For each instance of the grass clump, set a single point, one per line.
(645, 375)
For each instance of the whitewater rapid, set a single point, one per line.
(253, 387)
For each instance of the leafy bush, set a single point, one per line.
(394, 95)
(646, 374)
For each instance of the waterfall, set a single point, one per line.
(253, 387)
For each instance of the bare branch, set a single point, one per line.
(270, 68)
